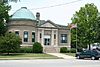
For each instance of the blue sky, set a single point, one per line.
(59, 14)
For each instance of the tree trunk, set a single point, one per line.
(89, 47)
(8, 53)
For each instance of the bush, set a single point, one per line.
(63, 50)
(72, 50)
(37, 48)
(79, 49)
(25, 50)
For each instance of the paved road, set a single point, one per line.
(50, 63)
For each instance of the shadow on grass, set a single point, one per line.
(20, 54)
(11, 54)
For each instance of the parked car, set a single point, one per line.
(93, 54)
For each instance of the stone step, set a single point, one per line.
(50, 50)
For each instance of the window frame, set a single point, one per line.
(63, 38)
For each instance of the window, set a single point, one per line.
(63, 38)
(17, 33)
(40, 35)
(54, 36)
(33, 36)
(25, 36)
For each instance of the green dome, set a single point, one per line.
(23, 13)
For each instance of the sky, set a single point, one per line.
(58, 14)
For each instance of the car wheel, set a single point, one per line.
(96, 58)
(93, 58)
(78, 57)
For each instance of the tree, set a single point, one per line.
(86, 19)
(9, 43)
(97, 28)
(4, 17)
(7, 1)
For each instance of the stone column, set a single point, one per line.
(29, 37)
(42, 42)
(38, 36)
(56, 38)
(52, 38)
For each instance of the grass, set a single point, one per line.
(70, 54)
(24, 56)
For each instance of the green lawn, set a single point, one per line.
(23, 56)
(70, 54)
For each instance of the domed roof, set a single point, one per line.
(23, 13)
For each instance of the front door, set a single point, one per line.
(47, 40)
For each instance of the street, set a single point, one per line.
(50, 63)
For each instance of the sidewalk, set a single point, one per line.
(62, 55)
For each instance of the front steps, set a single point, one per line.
(51, 49)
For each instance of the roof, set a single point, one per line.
(23, 13)
(56, 25)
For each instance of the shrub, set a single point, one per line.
(25, 50)
(63, 50)
(37, 48)
(79, 49)
(72, 50)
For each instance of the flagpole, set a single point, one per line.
(76, 39)
(71, 27)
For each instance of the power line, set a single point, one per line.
(56, 5)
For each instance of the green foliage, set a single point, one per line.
(63, 50)
(37, 48)
(25, 50)
(87, 26)
(8, 1)
(72, 50)
(9, 43)
(4, 17)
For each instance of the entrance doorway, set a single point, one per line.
(47, 40)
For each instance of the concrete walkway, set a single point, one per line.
(62, 55)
